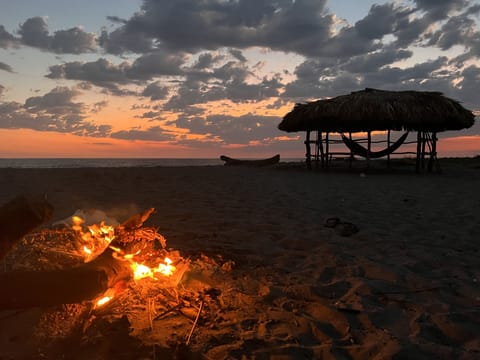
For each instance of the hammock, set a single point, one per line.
(358, 149)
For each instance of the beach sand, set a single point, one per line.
(405, 286)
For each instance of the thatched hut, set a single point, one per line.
(377, 110)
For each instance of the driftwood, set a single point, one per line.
(21, 289)
(20, 216)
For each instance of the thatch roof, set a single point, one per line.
(372, 109)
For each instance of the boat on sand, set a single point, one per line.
(250, 162)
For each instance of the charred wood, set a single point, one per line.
(22, 289)
(18, 217)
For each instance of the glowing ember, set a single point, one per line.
(141, 271)
(103, 300)
(167, 268)
(87, 250)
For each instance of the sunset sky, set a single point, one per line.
(191, 78)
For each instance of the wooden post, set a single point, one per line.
(351, 152)
(419, 149)
(369, 147)
(388, 145)
(327, 150)
(317, 150)
(433, 154)
(322, 155)
(424, 142)
(308, 153)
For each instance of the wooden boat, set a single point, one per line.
(253, 162)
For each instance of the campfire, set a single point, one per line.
(90, 272)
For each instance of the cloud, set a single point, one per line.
(122, 41)
(155, 91)
(231, 129)
(154, 133)
(7, 40)
(6, 67)
(101, 72)
(458, 30)
(54, 111)
(192, 26)
(34, 32)
(367, 63)
(440, 9)
(104, 73)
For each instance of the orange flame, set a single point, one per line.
(96, 239)
(141, 271)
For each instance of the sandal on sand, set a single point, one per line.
(332, 222)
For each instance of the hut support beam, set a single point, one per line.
(433, 153)
(388, 145)
(351, 152)
(419, 149)
(327, 150)
(369, 146)
(308, 151)
(322, 154)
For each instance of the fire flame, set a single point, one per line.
(141, 271)
(96, 238)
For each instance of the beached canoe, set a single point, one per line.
(251, 162)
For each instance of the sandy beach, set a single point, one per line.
(305, 265)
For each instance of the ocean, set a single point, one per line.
(112, 162)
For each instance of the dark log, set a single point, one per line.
(20, 216)
(137, 220)
(22, 289)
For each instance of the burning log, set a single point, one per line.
(20, 216)
(88, 281)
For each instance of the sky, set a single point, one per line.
(196, 79)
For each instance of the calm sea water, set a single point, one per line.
(79, 163)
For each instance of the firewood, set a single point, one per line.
(19, 216)
(22, 289)
(137, 220)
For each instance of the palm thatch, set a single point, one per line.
(373, 109)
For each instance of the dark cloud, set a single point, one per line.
(190, 25)
(360, 73)
(373, 62)
(6, 67)
(226, 82)
(156, 91)
(206, 60)
(34, 32)
(122, 41)
(380, 21)
(54, 111)
(237, 54)
(440, 9)
(101, 72)
(105, 74)
(158, 63)
(231, 129)
(7, 40)
(458, 30)
(150, 115)
(154, 133)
